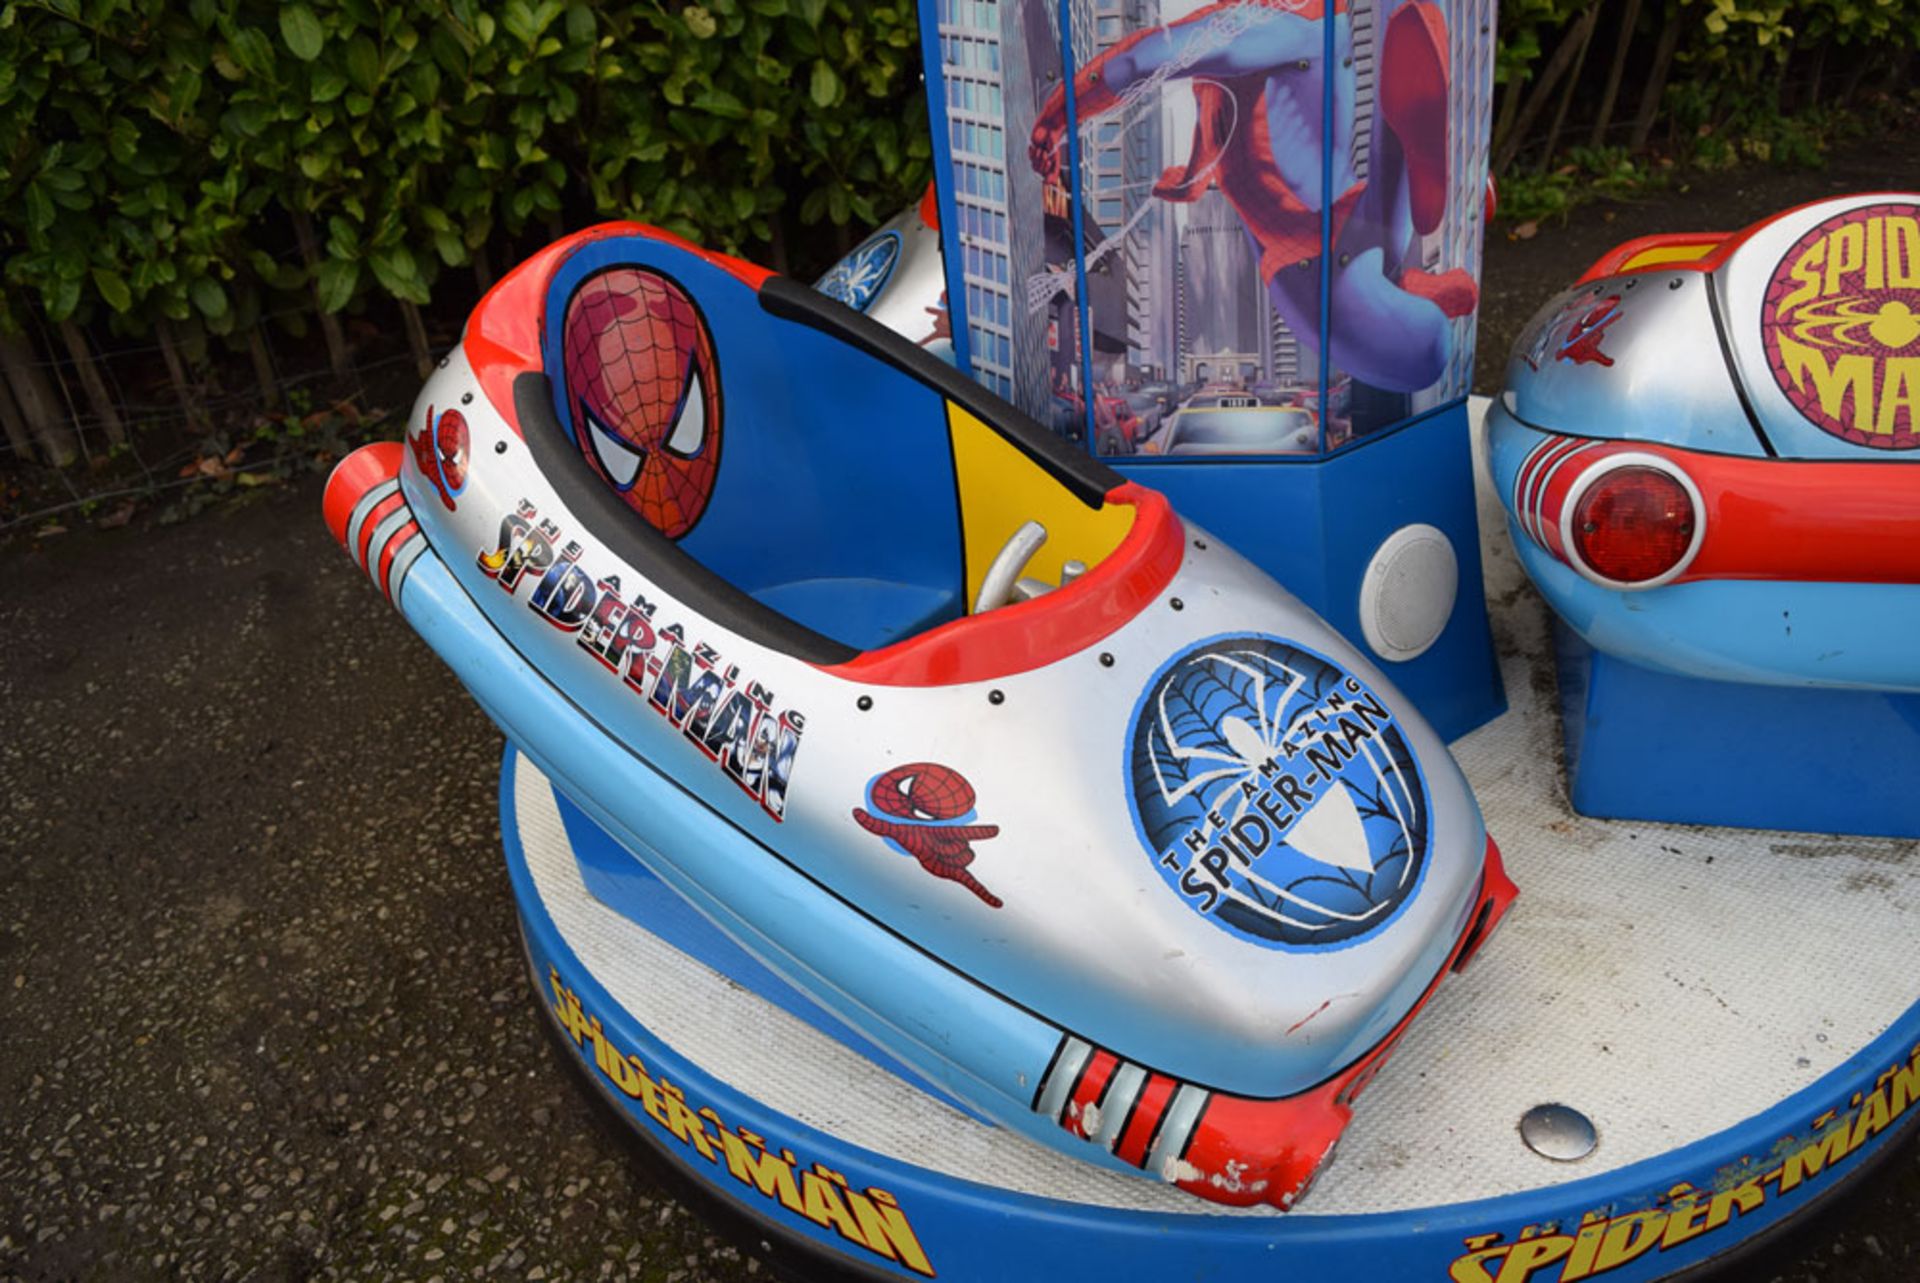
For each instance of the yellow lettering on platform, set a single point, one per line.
(1873, 1119)
(1742, 1198)
(1533, 1254)
(1906, 1085)
(1822, 1153)
(1472, 1268)
(821, 1203)
(887, 1231)
(1685, 1219)
(1586, 1246)
(766, 1172)
(1628, 1237)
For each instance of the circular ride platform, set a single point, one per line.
(1736, 1012)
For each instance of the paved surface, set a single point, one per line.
(262, 1011)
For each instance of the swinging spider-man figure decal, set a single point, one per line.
(440, 451)
(1257, 69)
(644, 391)
(927, 798)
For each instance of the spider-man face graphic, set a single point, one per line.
(644, 389)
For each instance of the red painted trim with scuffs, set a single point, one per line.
(1609, 264)
(1614, 261)
(364, 554)
(1087, 1092)
(392, 548)
(1030, 634)
(1247, 1151)
(1795, 520)
(1155, 1095)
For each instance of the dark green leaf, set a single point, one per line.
(113, 288)
(825, 85)
(209, 297)
(338, 278)
(302, 31)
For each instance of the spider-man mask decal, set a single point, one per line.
(644, 388)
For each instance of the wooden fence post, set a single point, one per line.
(329, 323)
(91, 383)
(55, 436)
(1615, 73)
(18, 437)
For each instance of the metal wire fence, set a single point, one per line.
(153, 449)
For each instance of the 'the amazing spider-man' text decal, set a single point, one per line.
(1277, 793)
(728, 716)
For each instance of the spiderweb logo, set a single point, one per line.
(1277, 793)
(857, 279)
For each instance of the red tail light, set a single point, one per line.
(1633, 524)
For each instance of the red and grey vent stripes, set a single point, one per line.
(1142, 1118)
(1531, 485)
(383, 538)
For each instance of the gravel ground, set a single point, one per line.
(262, 1009)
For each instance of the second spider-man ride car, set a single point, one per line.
(1040, 790)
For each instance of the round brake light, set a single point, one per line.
(1634, 525)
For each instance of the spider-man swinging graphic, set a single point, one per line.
(1256, 68)
(927, 798)
(643, 388)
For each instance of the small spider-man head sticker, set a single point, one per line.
(440, 451)
(643, 387)
(924, 809)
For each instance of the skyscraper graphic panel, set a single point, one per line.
(1248, 228)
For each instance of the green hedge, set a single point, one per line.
(163, 160)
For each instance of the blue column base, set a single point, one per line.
(1643, 745)
(1314, 524)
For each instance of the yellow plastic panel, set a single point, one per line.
(1000, 488)
(1669, 254)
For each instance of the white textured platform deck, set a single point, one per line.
(1667, 981)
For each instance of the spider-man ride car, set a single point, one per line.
(1044, 793)
(1709, 450)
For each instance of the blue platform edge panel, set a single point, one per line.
(1648, 745)
(894, 1215)
(629, 888)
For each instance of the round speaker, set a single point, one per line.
(1407, 594)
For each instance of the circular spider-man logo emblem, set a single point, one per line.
(643, 388)
(857, 279)
(1277, 794)
(1841, 325)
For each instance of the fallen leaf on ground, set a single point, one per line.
(118, 517)
(1526, 231)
